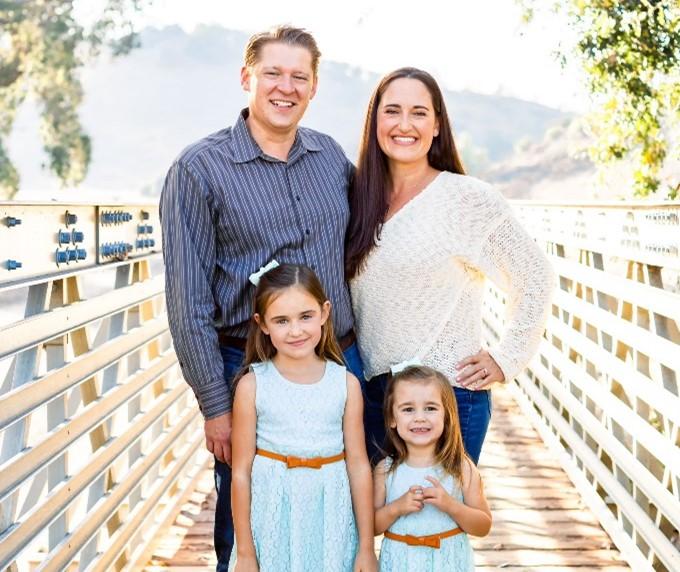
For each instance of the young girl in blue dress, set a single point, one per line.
(428, 493)
(301, 488)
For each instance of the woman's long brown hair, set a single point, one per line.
(369, 191)
(449, 449)
(273, 284)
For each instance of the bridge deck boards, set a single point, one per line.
(540, 522)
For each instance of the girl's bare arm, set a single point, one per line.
(387, 514)
(359, 471)
(243, 451)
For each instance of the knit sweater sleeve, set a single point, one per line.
(511, 259)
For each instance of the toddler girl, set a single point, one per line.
(428, 493)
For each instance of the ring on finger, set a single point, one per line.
(485, 372)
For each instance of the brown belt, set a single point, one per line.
(231, 341)
(347, 340)
(240, 343)
(431, 541)
(297, 462)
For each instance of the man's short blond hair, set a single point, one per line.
(285, 35)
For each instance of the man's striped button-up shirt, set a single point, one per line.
(226, 210)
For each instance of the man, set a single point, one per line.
(264, 189)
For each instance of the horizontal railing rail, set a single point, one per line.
(100, 438)
(603, 389)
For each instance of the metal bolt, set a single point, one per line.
(13, 264)
(11, 221)
(77, 236)
(62, 257)
(70, 218)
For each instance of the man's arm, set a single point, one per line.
(189, 255)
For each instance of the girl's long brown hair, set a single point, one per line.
(273, 284)
(449, 449)
(370, 189)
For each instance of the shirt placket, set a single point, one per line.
(299, 199)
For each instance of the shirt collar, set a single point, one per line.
(245, 148)
(306, 140)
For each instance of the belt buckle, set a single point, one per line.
(429, 541)
(293, 462)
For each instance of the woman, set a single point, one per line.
(422, 238)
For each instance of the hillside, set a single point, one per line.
(557, 168)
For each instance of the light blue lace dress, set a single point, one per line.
(301, 518)
(454, 554)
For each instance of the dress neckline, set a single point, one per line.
(297, 383)
(414, 199)
(419, 468)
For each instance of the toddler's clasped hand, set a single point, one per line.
(411, 501)
(436, 495)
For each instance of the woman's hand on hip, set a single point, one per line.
(479, 371)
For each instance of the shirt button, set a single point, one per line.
(307, 232)
(297, 197)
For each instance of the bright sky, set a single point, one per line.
(480, 45)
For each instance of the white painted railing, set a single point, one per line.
(604, 388)
(100, 439)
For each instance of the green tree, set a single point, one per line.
(630, 52)
(42, 49)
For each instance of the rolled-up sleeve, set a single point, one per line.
(512, 259)
(189, 255)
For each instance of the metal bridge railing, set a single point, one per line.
(100, 439)
(603, 390)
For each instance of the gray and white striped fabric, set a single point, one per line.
(226, 210)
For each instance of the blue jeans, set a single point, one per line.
(224, 523)
(474, 414)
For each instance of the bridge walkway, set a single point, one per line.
(540, 522)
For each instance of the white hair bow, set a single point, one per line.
(404, 364)
(255, 276)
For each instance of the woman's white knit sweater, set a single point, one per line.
(420, 292)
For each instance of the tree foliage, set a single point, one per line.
(42, 49)
(630, 51)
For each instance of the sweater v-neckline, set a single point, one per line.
(413, 199)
